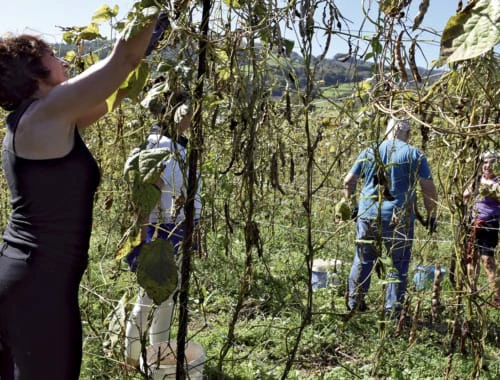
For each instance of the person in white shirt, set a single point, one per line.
(167, 219)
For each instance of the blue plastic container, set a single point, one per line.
(424, 276)
(319, 280)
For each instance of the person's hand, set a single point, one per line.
(431, 225)
(162, 24)
(132, 257)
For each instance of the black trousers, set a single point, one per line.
(40, 325)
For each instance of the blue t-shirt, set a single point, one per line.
(403, 165)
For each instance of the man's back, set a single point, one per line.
(395, 165)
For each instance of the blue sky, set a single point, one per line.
(43, 16)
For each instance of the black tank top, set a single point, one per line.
(51, 199)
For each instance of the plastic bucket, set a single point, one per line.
(162, 360)
(323, 272)
(424, 276)
(319, 280)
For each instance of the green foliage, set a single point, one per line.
(145, 197)
(264, 122)
(130, 239)
(143, 169)
(151, 164)
(132, 86)
(144, 11)
(471, 32)
(342, 210)
(157, 271)
(105, 13)
(490, 190)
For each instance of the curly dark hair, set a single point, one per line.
(20, 68)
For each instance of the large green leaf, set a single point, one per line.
(91, 32)
(145, 197)
(151, 164)
(133, 85)
(157, 271)
(153, 100)
(471, 32)
(132, 162)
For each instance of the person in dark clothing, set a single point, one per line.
(52, 178)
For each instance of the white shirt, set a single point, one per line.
(174, 183)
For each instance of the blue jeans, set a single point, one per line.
(397, 241)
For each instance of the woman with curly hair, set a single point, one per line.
(52, 178)
(485, 217)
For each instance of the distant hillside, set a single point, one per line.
(338, 70)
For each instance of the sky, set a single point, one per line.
(43, 16)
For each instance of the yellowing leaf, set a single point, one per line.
(69, 37)
(70, 56)
(157, 271)
(91, 32)
(104, 13)
(224, 73)
(90, 59)
(390, 7)
(130, 239)
(471, 32)
(235, 4)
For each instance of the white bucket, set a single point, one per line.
(324, 272)
(162, 360)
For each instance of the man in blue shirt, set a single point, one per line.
(386, 211)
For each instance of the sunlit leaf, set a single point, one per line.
(69, 37)
(224, 73)
(91, 32)
(150, 11)
(222, 55)
(236, 4)
(388, 281)
(133, 85)
(390, 7)
(157, 271)
(70, 56)
(342, 210)
(104, 13)
(471, 32)
(137, 80)
(131, 238)
(90, 59)
(138, 20)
